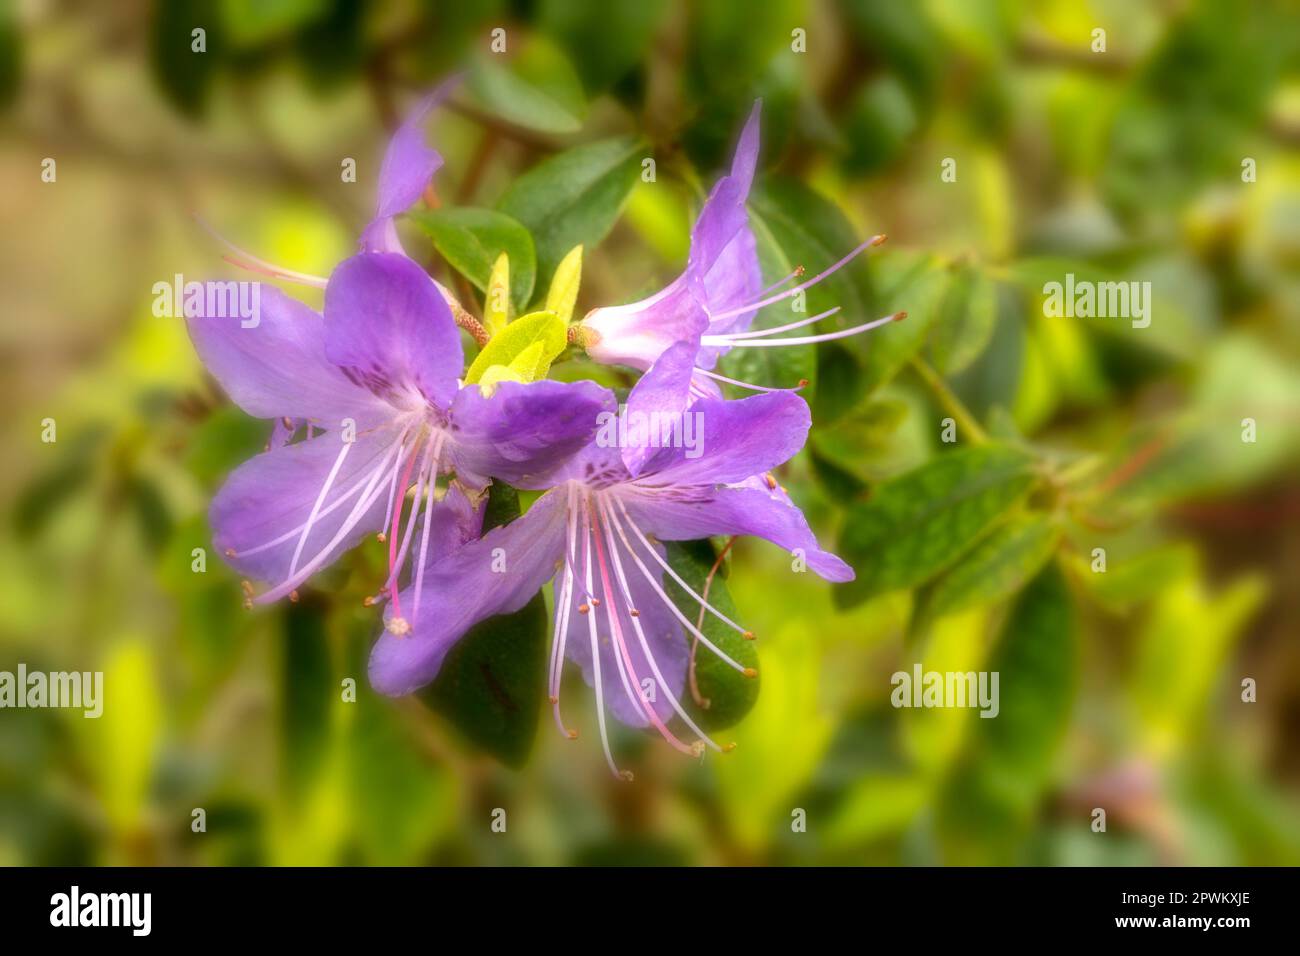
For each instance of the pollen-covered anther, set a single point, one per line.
(572, 734)
(771, 482)
(750, 672)
(247, 588)
(799, 270)
(381, 537)
(293, 596)
(697, 748)
(230, 552)
(627, 775)
(595, 602)
(553, 699)
(748, 635)
(368, 601)
(634, 612)
(877, 240)
(584, 608)
(899, 316)
(398, 626)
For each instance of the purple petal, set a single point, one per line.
(661, 395)
(663, 635)
(408, 167)
(726, 442)
(686, 514)
(463, 588)
(523, 430)
(389, 329)
(638, 333)
(278, 368)
(258, 515)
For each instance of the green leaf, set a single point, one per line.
(965, 321)
(728, 693)
(544, 328)
(901, 282)
(921, 522)
(562, 296)
(537, 89)
(472, 239)
(605, 40)
(575, 197)
(490, 686)
(783, 367)
(307, 689)
(251, 23)
(996, 567)
(1035, 661)
(11, 55)
(184, 75)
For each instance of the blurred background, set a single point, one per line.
(1001, 144)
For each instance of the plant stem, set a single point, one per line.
(951, 403)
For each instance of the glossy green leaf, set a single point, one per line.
(575, 197)
(184, 75)
(536, 88)
(725, 694)
(1035, 660)
(965, 321)
(491, 684)
(919, 523)
(996, 567)
(472, 239)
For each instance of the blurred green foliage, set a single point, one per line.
(1099, 532)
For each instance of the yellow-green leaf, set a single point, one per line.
(496, 302)
(563, 294)
(543, 328)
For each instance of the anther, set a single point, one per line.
(634, 612)
(553, 699)
(398, 626)
(899, 316)
(627, 775)
(697, 749)
(230, 552)
(595, 602)
(573, 734)
(381, 537)
(247, 587)
(748, 635)
(771, 482)
(293, 596)
(583, 608)
(750, 672)
(368, 601)
(879, 239)
(728, 748)
(799, 270)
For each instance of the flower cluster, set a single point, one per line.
(380, 430)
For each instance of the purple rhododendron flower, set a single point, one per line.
(384, 362)
(711, 305)
(594, 533)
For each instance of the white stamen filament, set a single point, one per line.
(769, 300)
(424, 533)
(315, 508)
(663, 596)
(595, 658)
(685, 587)
(807, 339)
(640, 632)
(761, 333)
(254, 264)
